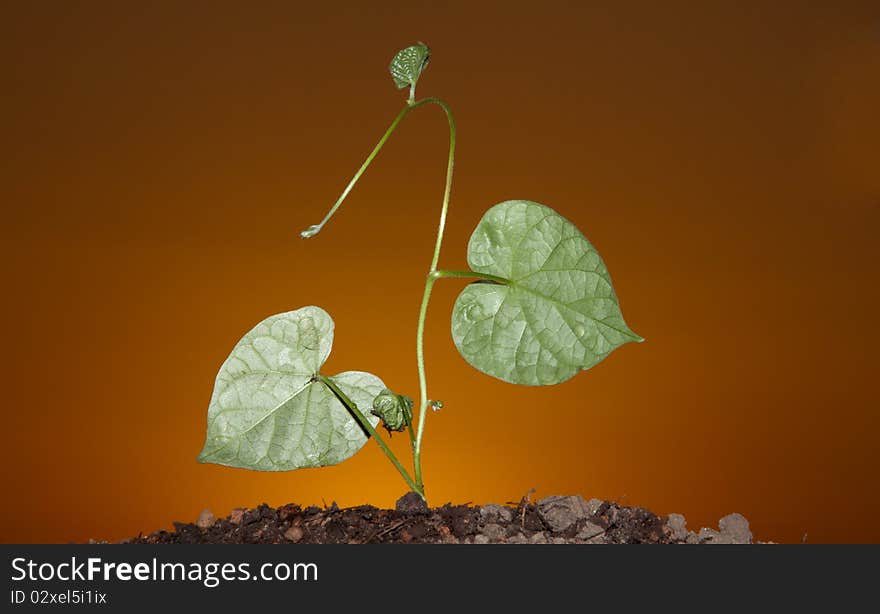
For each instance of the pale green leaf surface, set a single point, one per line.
(556, 315)
(408, 64)
(269, 413)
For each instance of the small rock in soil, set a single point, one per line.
(236, 515)
(733, 529)
(206, 519)
(481, 539)
(293, 534)
(538, 538)
(560, 513)
(411, 503)
(251, 516)
(736, 528)
(492, 512)
(678, 525)
(710, 536)
(593, 506)
(493, 531)
(608, 512)
(591, 533)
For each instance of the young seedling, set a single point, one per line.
(540, 310)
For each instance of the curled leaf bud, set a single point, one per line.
(407, 67)
(435, 405)
(395, 410)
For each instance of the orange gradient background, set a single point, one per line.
(159, 160)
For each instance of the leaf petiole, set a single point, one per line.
(352, 407)
(469, 275)
(314, 229)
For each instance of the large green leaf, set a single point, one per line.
(407, 65)
(270, 412)
(555, 312)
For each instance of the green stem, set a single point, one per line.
(432, 277)
(412, 436)
(429, 279)
(353, 409)
(426, 296)
(315, 229)
(470, 275)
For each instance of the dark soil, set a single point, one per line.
(556, 520)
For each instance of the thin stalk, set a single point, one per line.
(311, 231)
(433, 276)
(353, 409)
(426, 296)
(470, 275)
(423, 384)
(430, 278)
(412, 435)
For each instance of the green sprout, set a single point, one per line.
(541, 309)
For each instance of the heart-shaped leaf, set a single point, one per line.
(556, 312)
(271, 412)
(408, 64)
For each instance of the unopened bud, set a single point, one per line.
(395, 410)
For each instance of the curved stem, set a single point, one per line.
(433, 276)
(353, 409)
(311, 231)
(447, 192)
(423, 384)
(426, 296)
(416, 441)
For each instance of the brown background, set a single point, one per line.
(158, 162)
